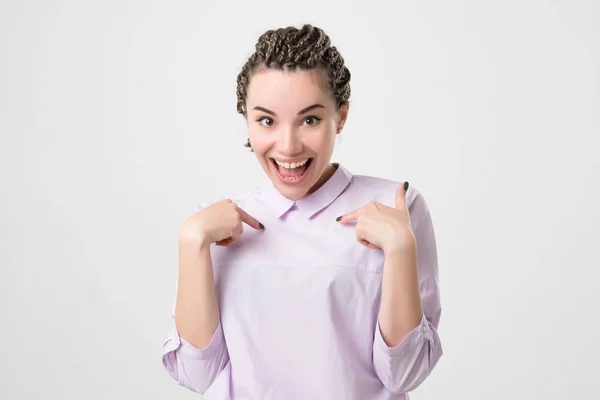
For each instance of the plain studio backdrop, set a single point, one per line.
(118, 117)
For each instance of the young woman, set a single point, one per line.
(322, 285)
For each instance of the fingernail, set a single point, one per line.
(261, 226)
(405, 186)
(338, 219)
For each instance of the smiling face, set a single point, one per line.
(292, 123)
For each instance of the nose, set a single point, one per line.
(289, 142)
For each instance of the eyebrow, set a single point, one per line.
(303, 111)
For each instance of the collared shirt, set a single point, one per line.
(299, 303)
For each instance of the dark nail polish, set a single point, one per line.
(338, 219)
(405, 186)
(261, 226)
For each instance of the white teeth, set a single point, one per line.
(291, 165)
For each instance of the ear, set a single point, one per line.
(343, 116)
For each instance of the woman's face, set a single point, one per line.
(292, 123)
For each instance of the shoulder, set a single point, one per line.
(383, 190)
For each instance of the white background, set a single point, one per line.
(118, 117)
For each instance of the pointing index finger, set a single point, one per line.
(351, 216)
(401, 195)
(250, 220)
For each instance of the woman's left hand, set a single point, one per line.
(382, 227)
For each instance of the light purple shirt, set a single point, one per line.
(299, 304)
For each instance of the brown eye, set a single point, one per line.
(266, 121)
(311, 121)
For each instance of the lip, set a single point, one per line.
(290, 182)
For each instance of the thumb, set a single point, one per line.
(401, 195)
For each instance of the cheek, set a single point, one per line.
(257, 140)
(324, 140)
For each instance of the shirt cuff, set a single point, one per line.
(416, 337)
(176, 343)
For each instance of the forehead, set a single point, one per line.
(278, 90)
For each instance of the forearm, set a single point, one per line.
(401, 309)
(196, 312)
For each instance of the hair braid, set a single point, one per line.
(292, 48)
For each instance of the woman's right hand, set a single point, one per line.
(219, 223)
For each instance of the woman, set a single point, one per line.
(321, 285)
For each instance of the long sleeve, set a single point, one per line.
(404, 367)
(195, 369)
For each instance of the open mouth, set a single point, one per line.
(292, 172)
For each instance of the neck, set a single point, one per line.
(328, 173)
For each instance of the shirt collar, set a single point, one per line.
(314, 202)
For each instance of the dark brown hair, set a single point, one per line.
(292, 49)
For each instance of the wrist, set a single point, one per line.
(407, 248)
(196, 244)
(193, 256)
